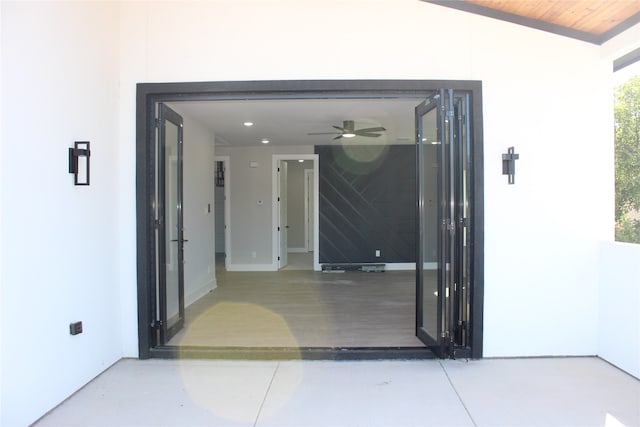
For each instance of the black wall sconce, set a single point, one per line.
(79, 162)
(509, 164)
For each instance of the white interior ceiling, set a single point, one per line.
(287, 122)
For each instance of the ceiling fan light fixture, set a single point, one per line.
(348, 135)
(265, 141)
(248, 124)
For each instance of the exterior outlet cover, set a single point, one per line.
(377, 252)
(75, 328)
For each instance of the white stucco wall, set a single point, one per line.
(619, 306)
(69, 72)
(546, 95)
(59, 242)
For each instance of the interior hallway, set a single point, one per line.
(491, 392)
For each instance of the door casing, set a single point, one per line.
(276, 158)
(148, 94)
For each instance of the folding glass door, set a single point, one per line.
(443, 273)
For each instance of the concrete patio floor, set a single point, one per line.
(581, 391)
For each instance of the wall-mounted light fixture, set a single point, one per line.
(79, 162)
(509, 164)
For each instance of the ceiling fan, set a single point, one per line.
(348, 130)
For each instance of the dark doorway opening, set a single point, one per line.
(150, 270)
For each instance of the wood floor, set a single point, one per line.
(302, 308)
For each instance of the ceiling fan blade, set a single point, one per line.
(368, 135)
(337, 137)
(324, 133)
(340, 129)
(367, 130)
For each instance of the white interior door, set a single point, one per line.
(309, 208)
(282, 208)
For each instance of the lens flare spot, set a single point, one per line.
(223, 394)
(360, 159)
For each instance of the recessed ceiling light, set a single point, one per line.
(248, 124)
(265, 141)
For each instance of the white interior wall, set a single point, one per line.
(250, 221)
(59, 242)
(198, 208)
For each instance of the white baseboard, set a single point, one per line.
(199, 292)
(252, 267)
(297, 250)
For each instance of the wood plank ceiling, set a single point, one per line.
(594, 21)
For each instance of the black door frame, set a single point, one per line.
(148, 94)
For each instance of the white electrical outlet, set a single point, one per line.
(253, 254)
(377, 252)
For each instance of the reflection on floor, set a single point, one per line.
(298, 308)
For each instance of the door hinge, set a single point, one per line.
(156, 223)
(156, 122)
(447, 224)
(278, 258)
(465, 222)
(278, 228)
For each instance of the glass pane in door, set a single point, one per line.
(172, 208)
(429, 281)
(170, 233)
(430, 144)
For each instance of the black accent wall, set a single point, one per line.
(367, 201)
